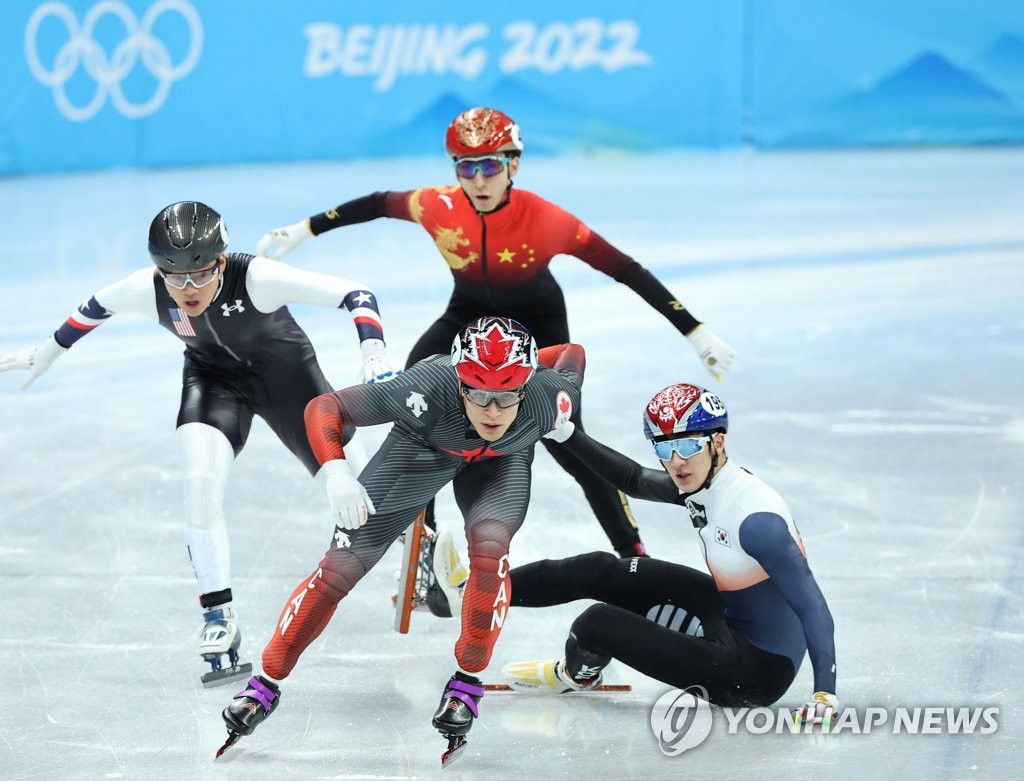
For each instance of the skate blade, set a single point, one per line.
(604, 687)
(226, 675)
(455, 748)
(232, 739)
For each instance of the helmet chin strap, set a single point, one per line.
(712, 468)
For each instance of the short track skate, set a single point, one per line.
(604, 687)
(220, 640)
(414, 578)
(250, 708)
(456, 713)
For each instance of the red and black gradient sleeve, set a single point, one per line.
(324, 425)
(600, 254)
(564, 357)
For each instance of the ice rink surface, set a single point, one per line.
(876, 303)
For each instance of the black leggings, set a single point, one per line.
(228, 398)
(610, 506)
(665, 620)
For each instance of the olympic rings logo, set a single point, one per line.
(109, 71)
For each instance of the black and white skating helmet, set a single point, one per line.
(186, 236)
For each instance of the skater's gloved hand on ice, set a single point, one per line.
(714, 353)
(376, 366)
(823, 708)
(280, 241)
(351, 506)
(36, 359)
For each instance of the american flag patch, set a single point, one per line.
(182, 325)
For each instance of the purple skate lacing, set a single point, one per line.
(465, 692)
(259, 692)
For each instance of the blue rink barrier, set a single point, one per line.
(104, 83)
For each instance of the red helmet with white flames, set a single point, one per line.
(482, 131)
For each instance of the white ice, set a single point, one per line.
(876, 302)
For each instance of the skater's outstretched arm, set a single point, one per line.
(716, 356)
(622, 472)
(134, 293)
(280, 241)
(272, 285)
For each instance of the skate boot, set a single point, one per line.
(454, 716)
(219, 640)
(250, 708)
(448, 577)
(549, 677)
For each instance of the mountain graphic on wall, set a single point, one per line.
(421, 134)
(1001, 65)
(549, 124)
(555, 124)
(928, 100)
(930, 79)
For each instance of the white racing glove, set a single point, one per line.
(823, 708)
(350, 504)
(561, 432)
(376, 366)
(714, 353)
(280, 241)
(36, 359)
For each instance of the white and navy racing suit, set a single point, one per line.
(740, 633)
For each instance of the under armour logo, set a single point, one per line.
(236, 308)
(416, 403)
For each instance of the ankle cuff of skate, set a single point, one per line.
(215, 598)
(258, 691)
(464, 686)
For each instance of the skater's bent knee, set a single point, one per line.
(342, 569)
(593, 618)
(488, 546)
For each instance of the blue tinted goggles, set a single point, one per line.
(685, 447)
(489, 166)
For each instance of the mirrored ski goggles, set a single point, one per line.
(483, 398)
(198, 279)
(489, 166)
(686, 447)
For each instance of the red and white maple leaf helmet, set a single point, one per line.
(494, 353)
